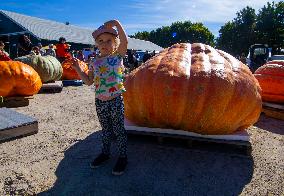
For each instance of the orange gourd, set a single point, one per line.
(69, 73)
(271, 79)
(18, 79)
(193, 87)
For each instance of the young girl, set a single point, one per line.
(106, 72)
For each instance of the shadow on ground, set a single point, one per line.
(270, 124)
(153, 170)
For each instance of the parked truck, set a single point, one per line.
(258, 55)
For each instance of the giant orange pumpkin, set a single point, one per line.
(18, 79)
(69, 73)
(193, 87)
(271, 79)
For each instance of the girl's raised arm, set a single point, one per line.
(122, 48)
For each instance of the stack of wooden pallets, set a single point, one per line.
(273, 110)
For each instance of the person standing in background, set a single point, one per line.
(131, 59)
(24, 45)
(35, 51)
(62, 50)
(146, 56)
(41, 50)
(50, 51)
(4, 56)
(81, 56)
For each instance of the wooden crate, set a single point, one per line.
(14, 125)
(52, 87)
(14, 102)
(273, 110)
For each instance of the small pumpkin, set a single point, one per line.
(18, 79)
(69, 73)
(48, 67)
(271, 79)
(193, 87)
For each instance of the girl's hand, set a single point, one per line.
(110, 24)
(75, 63)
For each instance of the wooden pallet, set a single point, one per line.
(273, 110)
(52, 87)
(15, 125)
(238, 142)
(14, 102)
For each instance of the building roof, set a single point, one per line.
(51, 30)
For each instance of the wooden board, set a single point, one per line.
(273, 105)
(53, 87)
(72, 82)
(238, 139)
(14, 125)
(238, 136)
(14, 102)
(273, 110)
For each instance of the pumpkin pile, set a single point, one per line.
(48, 67)
(18, 79)
(69, 73)
(193, 87)
(271, 79)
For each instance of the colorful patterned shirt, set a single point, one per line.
(108, 76)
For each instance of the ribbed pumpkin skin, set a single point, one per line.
(69, 73)
(18, 79)
(48, 67)
(193, 87)
(271, 79)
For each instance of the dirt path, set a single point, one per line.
(55, 161)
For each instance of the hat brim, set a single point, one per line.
(98, 32)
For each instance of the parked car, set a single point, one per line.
(87, 52)
(139, 55)
(276, 57)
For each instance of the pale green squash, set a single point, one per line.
(47, 67)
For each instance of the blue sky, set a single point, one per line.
(135, 15)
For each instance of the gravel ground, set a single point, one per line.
(55, 160)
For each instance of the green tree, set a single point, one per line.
(236, 36)
(270, 25)
(245, 29)
(178, 32)
(144, 35)
(267, 27)
(226, 39)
